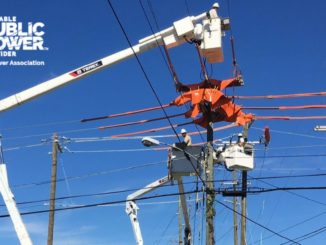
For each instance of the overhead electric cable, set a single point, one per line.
(139, 122)
(262, 190)
(166, 58)
(289, 118)
(256, 223)
(171, 71)
(142, 68)
(169, 105)
(292, 147)
(319, 215)
(176, 125)
(117, 150)
(125, 113)
(299, 107)
(100, 204)
(23, 147)
(49, 134)
(164, 106)
(291, 156)
(282, 96)
(251, 190)
(117, 170)
(308, 235)
(40, 125)
(187, 7)
(153, 130)
(293, 193)
(93, 174)
(291, 133)
(288, 176)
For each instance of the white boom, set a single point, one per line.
(208, 32)
(131, 206)
(10, 202)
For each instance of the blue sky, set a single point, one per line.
(280, 49)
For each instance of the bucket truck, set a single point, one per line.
(206, 29)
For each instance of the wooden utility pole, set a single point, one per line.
(210, 192)
(55, 147)
(235, 209)
(244, 208)
(244, 194)
(187, 230)
(180, 222)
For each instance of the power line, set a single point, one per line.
(281, 96)
(298, 195)
(115, 150)
(256, 223)
(91, 174)
(142, 68)
(48, 134)
(287, 176)
(40, 125)
(187, 7)
(293, 193)
(308, 235)
(100, 204)
(255, 190)
(291, 156)
(292, 226)
(94, 174)
(101, 139)
(150, 26)
(262, 190)
(23, 147)
(291, 133)
(166, 59)
(165, 230)
(291, 147)
(164, 148)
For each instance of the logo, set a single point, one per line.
(85, 69)
(16, 36)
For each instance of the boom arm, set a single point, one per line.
(10, 202)
(131, 206)
(209, 33)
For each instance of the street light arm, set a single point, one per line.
(320, 128)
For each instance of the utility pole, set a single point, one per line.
(55, 147)
(180, 222)
(183, 203)
(244, 194)
(244, 208)
(235, 209)
(210, 193)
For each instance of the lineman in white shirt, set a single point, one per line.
(186, 137)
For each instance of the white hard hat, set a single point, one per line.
(216, 5)
(183, 131)
(239, 134)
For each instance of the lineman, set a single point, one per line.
(241, 141)
(186, 137)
